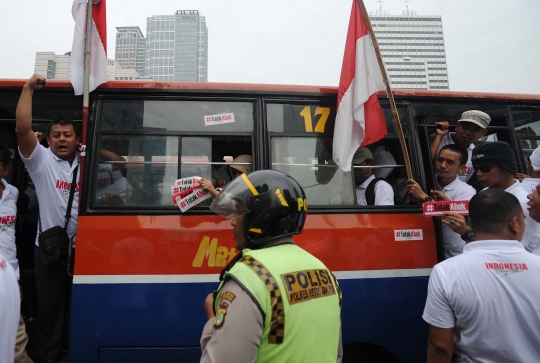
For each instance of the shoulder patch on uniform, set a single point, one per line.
(2, 264)
(227, 295)
(219, 320)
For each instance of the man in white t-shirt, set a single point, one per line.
(364, 177)
(495, 165)
(8, 217)
(451, 159)
(10, 311)
(482, 305)
(529, 184)
(51, 170)
(470, 127)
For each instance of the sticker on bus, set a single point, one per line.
(408, 235)
(187, 193)
(222, 118)
(433, 209)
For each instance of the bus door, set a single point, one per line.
(382, 255)
(143, 268)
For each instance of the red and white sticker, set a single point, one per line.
(193, 181)
(190, 198)
(222, 118)
(432, 209)
(408, 235)
(187, 193)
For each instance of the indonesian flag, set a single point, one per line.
(98, 52)
(359, 119)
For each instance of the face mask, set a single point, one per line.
(359, 176)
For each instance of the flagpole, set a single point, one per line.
(404, 149)
(86, 93)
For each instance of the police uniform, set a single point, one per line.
(276, 302)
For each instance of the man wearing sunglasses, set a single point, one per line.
(470, 127)
(451, 159)
(495, 165)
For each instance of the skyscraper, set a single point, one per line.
(130, 48)
(412, 47)
(177, 47)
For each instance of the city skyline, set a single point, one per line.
(489, 49)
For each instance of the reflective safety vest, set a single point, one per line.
(299, 299)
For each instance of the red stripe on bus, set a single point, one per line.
(163, 245)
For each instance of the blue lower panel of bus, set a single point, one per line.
(109, 320)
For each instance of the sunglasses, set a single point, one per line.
(484, 168)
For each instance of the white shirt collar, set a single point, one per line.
(453, 185)
(75, 161)
(494, 245)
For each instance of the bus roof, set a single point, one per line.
(213, 86)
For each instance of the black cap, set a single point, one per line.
(496, 152)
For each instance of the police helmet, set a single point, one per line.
(273, 203)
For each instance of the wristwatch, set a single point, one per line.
(468, 236)
(428, 199)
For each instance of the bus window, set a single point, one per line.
(309, 161)
(527, 125)
(179, 116)
(143, 148)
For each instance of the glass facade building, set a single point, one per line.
(412, 47)
(177, 47)
(130, 48)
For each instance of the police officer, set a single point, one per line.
(276, 302)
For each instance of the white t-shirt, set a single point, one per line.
(10, 310)
(52, 177)
(468, 169)
(384, 194)
(529, 185)
(456, 190)
(490, 295)
(531, 237)
(8, 217)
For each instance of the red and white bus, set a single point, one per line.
(143, 268)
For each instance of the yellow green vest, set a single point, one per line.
(300, 301)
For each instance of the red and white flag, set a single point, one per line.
(98, 53)
(359, 120)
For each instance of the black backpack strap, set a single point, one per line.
(370, 191)
(71, 195)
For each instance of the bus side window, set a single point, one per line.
(309, 161)
(527, 124)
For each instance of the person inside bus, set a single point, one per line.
(234, 171)
(451, 159)
(52, 170)
(470, 127)
(495, 164)
(483, 304)
(370, 190)
(112, 187)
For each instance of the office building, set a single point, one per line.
(412, 47)
(130, 48)
(177, 47)
(54, 66)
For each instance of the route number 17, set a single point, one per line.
(324, 112)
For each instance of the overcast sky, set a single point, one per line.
(491, 45)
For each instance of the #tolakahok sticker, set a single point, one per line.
(187, 193)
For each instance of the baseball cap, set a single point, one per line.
(361, 155)
(496, 152)
(479, 118)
